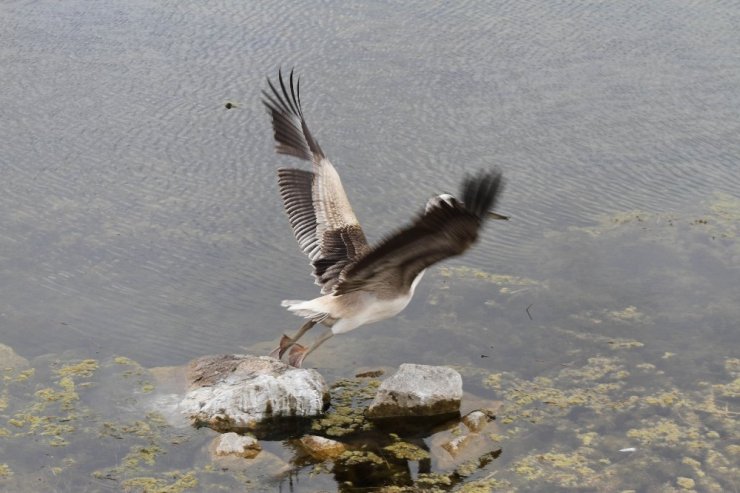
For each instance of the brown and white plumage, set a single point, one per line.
(361, 284)
(318, 209)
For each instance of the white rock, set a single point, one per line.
(238, 445)
(418, 390)
(238, 392)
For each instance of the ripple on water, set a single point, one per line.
(142, 213)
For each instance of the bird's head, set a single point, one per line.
(438, 200)
(449, 199)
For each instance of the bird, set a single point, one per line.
(360, 283)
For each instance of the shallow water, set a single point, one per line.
(140, 218)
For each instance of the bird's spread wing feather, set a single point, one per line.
(318, 209)
(447, 229)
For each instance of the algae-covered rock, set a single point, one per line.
(241, 392)
(418, 390)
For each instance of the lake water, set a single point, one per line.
(140, 219)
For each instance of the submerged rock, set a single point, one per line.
(476, 420)
(465, 443)
(418, 390)
(242, 392)
(470, 440)
(321, 448)
(11, 359)
(237, 445)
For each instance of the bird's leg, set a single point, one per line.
(298, 353)
(286, 342)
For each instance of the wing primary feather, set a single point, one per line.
(285, 92)
(480, 192)
(296, 100)
(280, 104)
(319, 212)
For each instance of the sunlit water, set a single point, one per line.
(140, 218)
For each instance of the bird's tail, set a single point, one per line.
(306, 309)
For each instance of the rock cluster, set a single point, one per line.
(235, 394)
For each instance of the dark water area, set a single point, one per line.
(141, 226)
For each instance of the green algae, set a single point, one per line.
(433, 480)
(693, 420)
(5, 471)
(141, 455)
(123, 360)
(349, 399)
(685, 483)
(84, 368)
(54, 412)
(24, 375)
(567, 470)
(483, 485)
(55, 418)
(180, 482)
(406, 451)
(136, 371)
(464, 272)
(356, 457)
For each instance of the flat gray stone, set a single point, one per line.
(418, 390)
(240, 392)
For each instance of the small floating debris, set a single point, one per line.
(628, 449)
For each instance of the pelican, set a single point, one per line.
(360, 283)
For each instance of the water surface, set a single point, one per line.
(140, 218)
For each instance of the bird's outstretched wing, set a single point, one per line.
(445, 230)
(318, 209)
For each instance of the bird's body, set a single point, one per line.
(349, 311)
(361, 284)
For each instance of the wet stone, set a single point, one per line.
(464, 444)
(237, 445)
(418, 390)
(321, 448)
(476, 420)
(243, 392)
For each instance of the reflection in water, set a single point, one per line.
(137, 220)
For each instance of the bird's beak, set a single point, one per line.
(495, 215)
